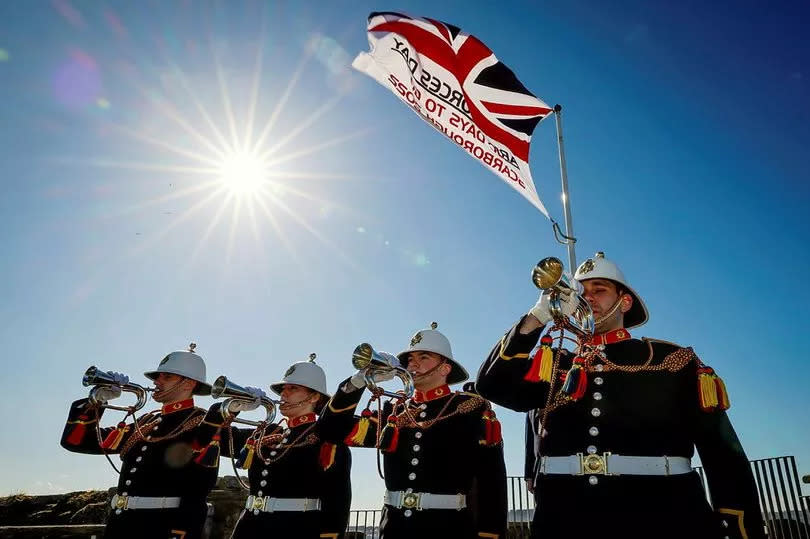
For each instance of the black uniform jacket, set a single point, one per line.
(157, 460)
(442, 450)
(652, 412)
(292, 461)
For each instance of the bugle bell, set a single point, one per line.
(367, 359)
(222, 388)
(548, 275)
(100, 379)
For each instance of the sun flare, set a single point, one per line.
(243, 173)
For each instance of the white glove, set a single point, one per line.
(118, 378)
(358, 379)
(236, 406)
(542, 311)
(107, 393)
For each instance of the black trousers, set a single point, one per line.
(185, 523)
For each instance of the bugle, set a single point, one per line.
(548, 276)
(100, 379)
(368, 359)
(222, 388)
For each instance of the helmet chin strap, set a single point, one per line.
(171, 389)
(427, 372)
(604, 318)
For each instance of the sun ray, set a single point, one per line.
(201, 109)
(127, 165)
(226, 101)
(165, 145)
(175, 222)
(279, 234)
(171, 112)
(237, 210)
(317, 147)
(304, 124)
(301, 221)
(254, 91)
(254, 225)
(268, 126)
(180, 193)
(210, 228)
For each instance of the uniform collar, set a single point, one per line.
(431, 394)
(616, 335)
(301, 420)
(176, 406)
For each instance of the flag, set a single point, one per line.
(457, 85)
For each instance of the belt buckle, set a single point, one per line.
(120, 502)
(593, 464)
(411, 500)
(258, 503)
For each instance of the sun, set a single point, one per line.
(243, 173)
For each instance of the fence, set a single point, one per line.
(785, 510)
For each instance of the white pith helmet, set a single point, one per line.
(600, 267)
(303, 373)
(187, 364)
(432, 340)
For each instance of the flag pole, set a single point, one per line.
(569, 239)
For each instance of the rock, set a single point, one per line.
(92, 513)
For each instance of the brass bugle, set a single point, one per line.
(548, 275)
(222, 388)
(368, 359)
(100, 379)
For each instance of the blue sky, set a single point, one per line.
(686, 129)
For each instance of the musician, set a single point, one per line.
(440, 447)
(621, 419)
(162, 487)
(300, 485)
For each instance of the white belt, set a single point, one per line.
(424, 500)
(143, 502)
(609, 464)
(270, 505)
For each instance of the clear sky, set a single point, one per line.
(687, 131)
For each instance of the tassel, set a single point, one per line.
(77, 432)
(114, 438)
(540, 369)
(209, 456)
(722, 395)
(492, 429)
(707, 389)
(245, 458)
(576, 381)
(327, 455)
(390, 435)
(358, 434)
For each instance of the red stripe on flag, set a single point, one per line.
(524, 110)
(441, 28)
(426, 44)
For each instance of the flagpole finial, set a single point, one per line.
(557, 107)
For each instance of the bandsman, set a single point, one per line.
(442, 449)
(620, 420)
(162, 486)
(300, 485)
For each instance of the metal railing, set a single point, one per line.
(785, 511)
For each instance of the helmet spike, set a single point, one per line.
(192, 346)
(312, 357)
(434, 325)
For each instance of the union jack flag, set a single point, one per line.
(435, 66)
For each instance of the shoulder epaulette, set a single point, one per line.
(712, 394)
